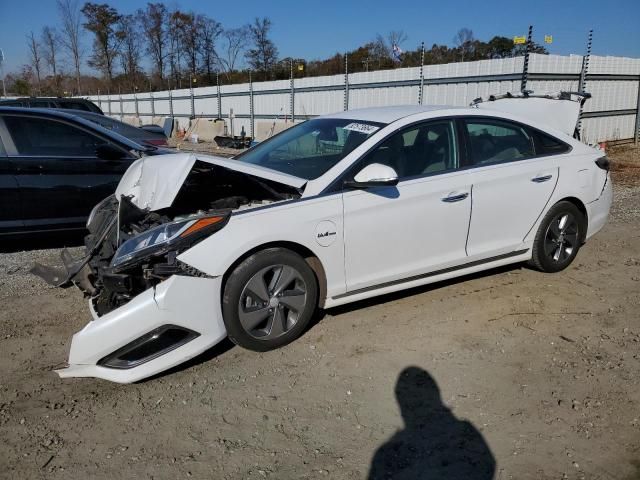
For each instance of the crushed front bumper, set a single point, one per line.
(192, 303)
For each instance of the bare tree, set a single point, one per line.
(71, 22)
(129, 34)
(36, 57)
(102, 21)
(50, 42)
(187, 28)
(210, 30)
(175, 52)
(264, 54)
(234, 42)
(396, 37)
(464, 40)
(154, 21)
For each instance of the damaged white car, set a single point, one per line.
(192, 248)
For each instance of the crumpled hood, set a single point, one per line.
(153, 182)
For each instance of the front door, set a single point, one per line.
(59, 177)
(416, 227)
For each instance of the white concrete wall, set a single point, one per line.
(607, 94)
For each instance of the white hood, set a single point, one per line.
(153, 182)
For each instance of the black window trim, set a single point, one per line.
(338, 184)
(531, 131)
(464, 150)
(12, 150)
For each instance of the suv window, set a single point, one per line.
(45, 137)
(40, 104)
(71, 105)
(421, 149)
(498, 141)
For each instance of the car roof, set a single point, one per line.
(387, 114)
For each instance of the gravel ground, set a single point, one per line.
(523, 374)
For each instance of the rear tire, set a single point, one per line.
(558, 238)
(269, 299)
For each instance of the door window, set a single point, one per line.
(43, 137)
(498, 141)
(549, 145)
(422, 149)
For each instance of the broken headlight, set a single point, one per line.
(167, 236)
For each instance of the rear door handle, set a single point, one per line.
(542, 178)
(455, 198)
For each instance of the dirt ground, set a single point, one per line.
(512, 374)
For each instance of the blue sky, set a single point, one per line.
(321, 28)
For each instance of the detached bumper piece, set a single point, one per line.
(157, 330)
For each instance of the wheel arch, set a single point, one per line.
(309, 256)
(579, 204)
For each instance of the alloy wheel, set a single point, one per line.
(561, 238)
(272, 301)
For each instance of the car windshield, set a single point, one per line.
(311, 148)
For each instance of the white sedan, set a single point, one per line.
(192, 249)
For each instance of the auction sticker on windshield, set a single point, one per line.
(361, 127)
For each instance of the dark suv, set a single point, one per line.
(53, 102)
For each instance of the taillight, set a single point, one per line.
(156, 142)
(603, 163)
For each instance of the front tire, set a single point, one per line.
(269, 299)
(558, 238)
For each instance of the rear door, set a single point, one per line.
(59, 176)
(511, 184)
(10, 214)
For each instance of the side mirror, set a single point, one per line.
(106, 151)
(374, 175)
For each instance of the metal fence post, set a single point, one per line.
(346, 81)
(421, 91)
(251, 111)
(153, 105)
(525, 66)
(292, 104)
(135, 99)
(218, 94)
(109, 101)
(637, 136)
(120, 96)
(193, 104)
(582, 86)
(170, 103)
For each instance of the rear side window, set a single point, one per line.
(497, 141)
(44, 137)
(548, 145)
(40, 104)
(70, 105)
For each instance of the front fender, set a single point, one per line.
(305, 222)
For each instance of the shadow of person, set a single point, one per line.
(434, 443)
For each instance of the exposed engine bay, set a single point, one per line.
(131, 249)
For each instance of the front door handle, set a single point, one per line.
(456, 197)
(542, 178)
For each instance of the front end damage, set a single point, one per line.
(150, 310)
